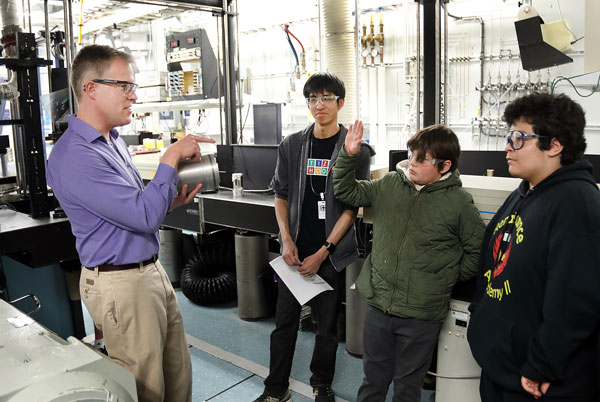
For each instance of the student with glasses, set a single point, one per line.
(115, 219)
(426, 235)
(536, 314)
(316, 234)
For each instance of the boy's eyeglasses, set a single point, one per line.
(516, 139)
(413, 158)
(127, 87)
(314, 100)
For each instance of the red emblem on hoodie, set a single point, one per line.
(503, 259)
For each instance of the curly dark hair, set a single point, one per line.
(554, 116)
(317, 83)
(439, 141)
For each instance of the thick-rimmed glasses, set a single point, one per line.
(413, 158)
(315, 100)
(127, 87)
(516, 139)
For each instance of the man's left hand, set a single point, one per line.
(183, 197)
(312, 263)
(534, 387)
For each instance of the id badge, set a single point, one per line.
(321, 208)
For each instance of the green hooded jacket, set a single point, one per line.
(423, 241)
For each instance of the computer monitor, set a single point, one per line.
(256, 163)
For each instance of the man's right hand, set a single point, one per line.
(290, 253)
(354, 138)
(535, 388)
(185, 148)
(183, 197)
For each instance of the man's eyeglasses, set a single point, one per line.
(413, 158)
(127, 87)
(516, 139)
(314, 100)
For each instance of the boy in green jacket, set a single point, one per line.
(426, 235)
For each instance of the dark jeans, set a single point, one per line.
(492, 392)
(398, 349)
(325, 307)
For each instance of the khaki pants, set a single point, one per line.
(143, 329)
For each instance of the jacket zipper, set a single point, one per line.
(388, 309)
(300, 194)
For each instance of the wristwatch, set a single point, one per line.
(329, 246)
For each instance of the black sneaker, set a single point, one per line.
(270, 398)
(323, 394)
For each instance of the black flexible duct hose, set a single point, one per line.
(209, 277)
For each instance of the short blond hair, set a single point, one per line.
(93, 60)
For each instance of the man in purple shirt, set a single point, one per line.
(115, 219)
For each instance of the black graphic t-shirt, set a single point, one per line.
(312, 229)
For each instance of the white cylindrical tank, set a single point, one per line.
(340, 50)
(454, 360)
(251, 261)
(356, 310)
(170, 254)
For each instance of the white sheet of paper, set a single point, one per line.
(302, 288)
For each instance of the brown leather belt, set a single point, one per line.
(111, 267)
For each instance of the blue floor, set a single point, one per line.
(230, 357)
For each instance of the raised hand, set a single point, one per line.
(354, 138)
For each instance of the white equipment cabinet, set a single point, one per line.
(458, 373)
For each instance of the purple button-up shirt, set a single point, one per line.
(113, 217)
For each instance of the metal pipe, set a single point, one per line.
(229, 105)
(68, 41)
(71, 42)
(182, 5)
(233, 73)
(481, 58)
(438, 38)
(418, 65)
(358, 54)
(4, 164)
(23, 9)
(219, 81)
(444, 121)
(380, 38)
(240, 91)
(29, 14)
(47, 31)
(320, 35)
(19, 147)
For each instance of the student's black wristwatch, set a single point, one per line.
(329, 246)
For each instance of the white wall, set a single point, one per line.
(387, 92)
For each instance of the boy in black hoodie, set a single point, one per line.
(536, 313)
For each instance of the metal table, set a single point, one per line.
(253, 212)
(35, 242)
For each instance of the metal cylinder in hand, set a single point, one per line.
(204, 170)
